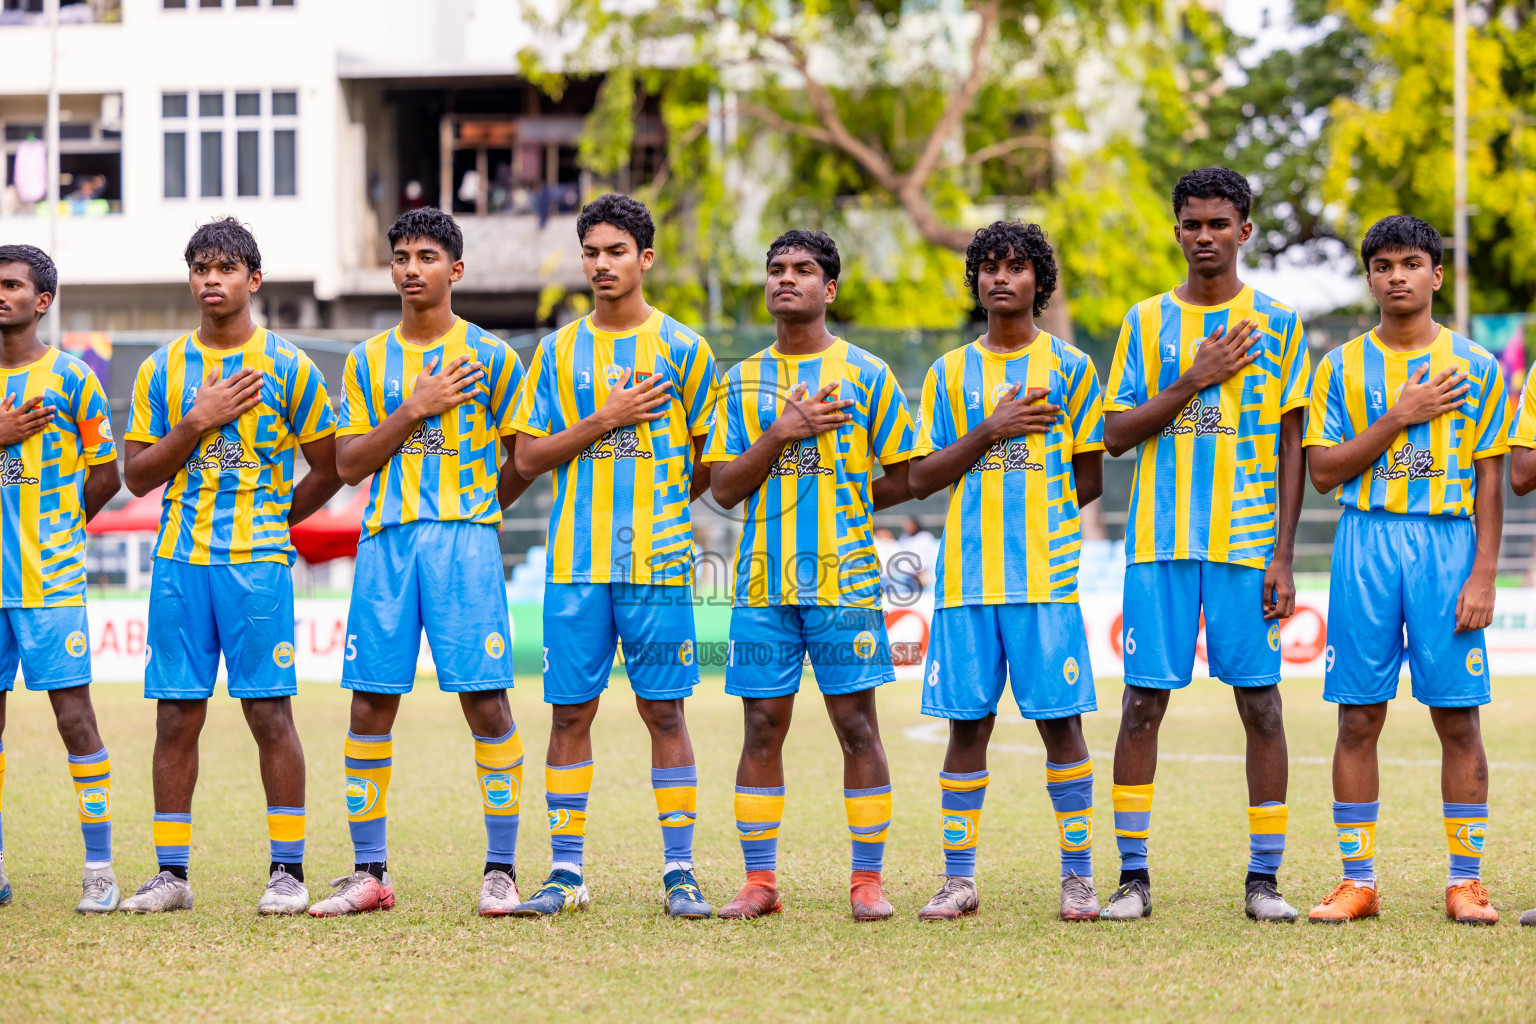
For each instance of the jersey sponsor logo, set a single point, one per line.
(96, 802)
(362, 794)
(612, 374)
(584, 380)
(222, 454)
(1008, 456)
(495, 646)
(75, 644)
(1471, 835)
(1069, 671)
(499, 790)
(282, 654)
(803, 458)
(864, 645)
(559, 818)
(1377, 402)
(1076, 832)
(392, 388)
(1408, 461)
(1199, 419)
(685, 652)
(1274, 636)
(618, 443)
(973, 399)
(12, 472)
(425, 440)
(959, 831)
(1354, 842)
(1475, 661)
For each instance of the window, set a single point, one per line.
(245, 3)
(285, 172)
(210, 104)
(247, 104)
(282, 3)
(175, 165)
(210, 3)
(173, 104)
(212, 164)
(247, 164)
(175, 5)
(285, 104)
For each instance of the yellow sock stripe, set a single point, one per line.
(963, 785)
(90, 771)
(759, 807)
(285, 828)
(1081, 771)
(1131, 798)
(501, 789)
(868, 812)
(677, 798)
(173, 833)
(1461, 833)
(2, 778)
(1268, 821)
(568, 780)
(370, 750)
(499, 755)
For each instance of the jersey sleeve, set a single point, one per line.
(728, 433)
(1492, 415)
(356, 416)
(1295, 369)
(935, 423)
(699, 388)
(1085, 408)
(507, 389)
(309, 407)
(891, 434)
(93, 419)
(1524, 433)
(1127, 384)
(147, 420)
(536, 404)
(1325, 408)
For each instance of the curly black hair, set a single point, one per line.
(1401, 232)
(818, 244)
(432, 224)
(225, 237)
(624, 212)
(1010, 238)
(1213, 183)
(45, 276)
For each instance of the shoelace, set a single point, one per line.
(688, 888)
(1123, 890)
(153, 884)
(97, 887)
(346, 883)
(497, 886)
(1338, 892)
(560, 889)
(951, 887)
(1478, 894)
(285, 884)
(1076, 887)
(1266, 890)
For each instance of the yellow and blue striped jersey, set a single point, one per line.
(1427, 470)
(42, 518)
(621, 506)
(230, 502)
(807, 538)
(1012, 532)
(1205, 484)
(448, 468)
(1523, 434)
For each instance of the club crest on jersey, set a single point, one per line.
(495, 646)
(1408, 461)
(362, 794)
(1475, 661)
(958, 830)
(800, 459)
(685, 652)
(1274, 636)
(499, 790)
(282, 654)
(1471, 835)
(103, 428)
(864, 645)
(1354, 842)
(1000, 391)
(559, 818)
(1069, 671)
(1199, 419)
(1076, 831)
(1008, 456)
(96, 802)
(222, 454)
(425, 440)
(75, 644)
(618, 443)
(612, 374)
(12, 472)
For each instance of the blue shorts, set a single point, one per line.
(847, 646)
(974, 650)
(1163, 602)
(197, 611)
(1395, 571)
(584, 622)
(52, 645)
(444, 578)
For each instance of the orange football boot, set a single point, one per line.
(867, 897)
(758, 897)
(1468, 903)
(1347, 902)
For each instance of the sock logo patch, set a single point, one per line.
(675, 818)
(96, 802)
(495, 646)
(685, 652)
(748, 833)
(1076, 832)
(1069, 671)
(282, 654)
(362, 794)
(1475, 661)
(1354, 842)
(499, 789)
(958, 830)
(1472, 834)
(559, 818)
(864, 645)
(75, 644)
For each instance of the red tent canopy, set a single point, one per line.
(140, 515)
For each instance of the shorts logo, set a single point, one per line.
(495, 646)
(1354, 843)
(282, 654)
(864, 644)
(362, 794)
(499, 790)
(558, 819)
(75, 644)
(1475, 661)
(1274, 636)
(1069, 671)
(96, 802)
(1472, 834)
(1000, 391)
(933, 673)
(685, 652)
(1076, 832)
(958, 830)
(612, 374)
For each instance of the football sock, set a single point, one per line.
(677, 800)
(93, 799)
(1266, 839)
(375, 868)
(1356, 824)
(1071, 790)
(368, 762)
(173, 842)
(1466, 826)
(499, 765)
(501, 865)
(285, 832)
(294, 869)
(961, 795)
(869, 817)
(1133, 820)
(759, 809)
(566, 788)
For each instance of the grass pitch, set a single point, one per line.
(1197, 958)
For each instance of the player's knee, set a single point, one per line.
(664, 717)
(270, 720)
(1359, 726)
(1264, 718)
(572, 717)
(1459, 730)
(966, 735)
(858, 734)
(1141, 711)
(764, 729)
(177, 723)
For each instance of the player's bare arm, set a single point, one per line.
(625, 407)
(1279, 583)
(101, 483)
(1420, 402)
(1222, 356)
(804, 416)
(701, 472)
(1088, 472)
(1474, 607)
(16, 425)
(891, 488)
(359, 456)
(320, 484)
(510, 484)
(148, 465)
(1015, 416)
(1522, 469)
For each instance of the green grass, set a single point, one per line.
(431, 958)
